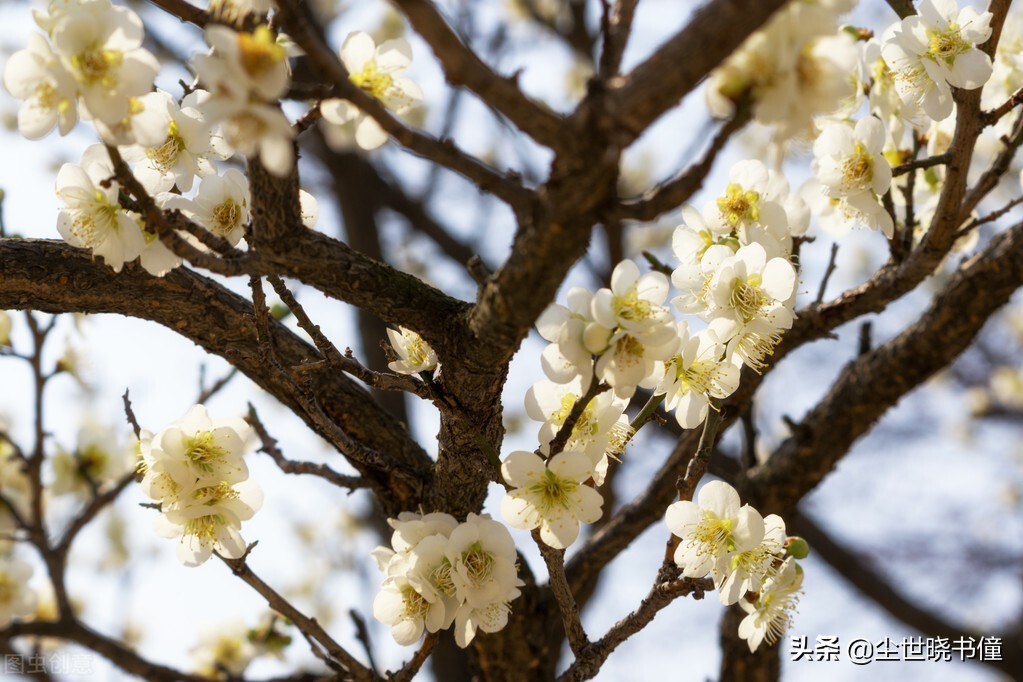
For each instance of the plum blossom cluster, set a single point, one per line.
(90, 63)
(796, 67)
(244, 74)
(441, 573)
(734, 272)
(749, 557)
(805, 76)
(194, 470)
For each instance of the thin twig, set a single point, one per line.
(304, 623)
(555, 560)
(410, 669)
(828, 272)
(289, 466)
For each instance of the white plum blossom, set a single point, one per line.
(91, 217)
(99, 459)
(602, 429)
(712, 527)
(934, 49)
(741, 572)
(221, 205)
(769, 617)
(183, 148)
(194, 469)
(634, 302)
(223, 646)
(243, 64)
(17, 599)
(849, 160)
(748, 287)
(695, 235)
(698, 373)
(50, 93)
(569, 328)
(255, 130)
(797, 66)
(550, 495)
(375, 69)
(415, 355)
(100, 45)
(406, 610)
(440, 573)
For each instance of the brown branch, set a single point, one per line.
(409, 670)
(876, 380)
(904, 8)
(52, 276)
(301, 26)
(290, 466)
(917, 164)
(307, 625)
(555, 560)
(184, 11)
(616, 25)
(462, 66)
(877, 587)
(670, 73)
(588, 663)
(671, 194)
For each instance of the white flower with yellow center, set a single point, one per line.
(255, 130)
(414, 353)
(935, 49)
(712, 527)
(748, 287)
(100, 46)
(91, 217)
(849, 162)
(482, 557)
(550, 495)
(374, 69)
(221, 205)
(737, 573)
(243, 64)
(573, 335)
(209, 519)
(770, 616)
(50, 93)
(698, 373)
(182, 149)
(634, 302)
(198, 449)
(602, 429)
(16, 598)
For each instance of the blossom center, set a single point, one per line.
(226, 216)
(259, 52)
(202, 452)
(748, 299)
(416, 605)
(166, 155)
(947, 45)
(96, 66)
(479, 564)
(739, 205)
(374, 82)
(552, 492)
(858, 169)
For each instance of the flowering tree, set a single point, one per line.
(189, 205)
